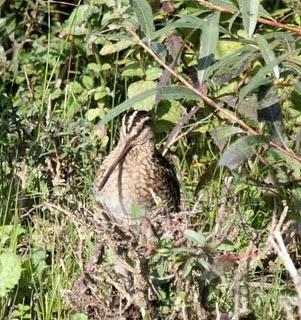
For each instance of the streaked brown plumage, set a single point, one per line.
(134, 174)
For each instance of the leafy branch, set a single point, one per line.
(269, 22)
(208, 101)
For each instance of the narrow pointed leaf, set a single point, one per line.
(228, 4)
(126, 105)
(145, 16)
(263, 13)
(165, 92)
(239, 151)
(208, 44)
(260, 77)
(267, 53)
(189, 21)
(221, 135)
(177, 92)
(249, 11)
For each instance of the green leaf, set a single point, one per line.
(169, 113)
(80, 316)
(196, 237)
(227, 47)
(145, 17)
(208, 43)
(249, 10)
(177, 92)
(230, 67)
(142, 86)
(153, 73)
(267, 53)
(126, 105)
(100, 93)
(166, 92)
(239, 151)
(263, 13)
(38, 261)
(260, 77)
(228, 4)
(88, 82)
(133, 69)
(188, 267)
(10, 272)
(297, 87)
(221, 135)
(110, 47)
(93, 113)
(7, 231)
(79, 16)
(75, 87)
(185, 22)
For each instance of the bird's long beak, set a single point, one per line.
(122, 154)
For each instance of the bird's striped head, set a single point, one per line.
(136, 130)
(137, 127)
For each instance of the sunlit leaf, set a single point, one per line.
(136, 88)
(227, 47)
(10, 272)
(239, 151)
(80, 316)
(133, 69)
(153, 73)
(110, 47)
(145, 16)
(249, 10)
(169, 113)
(267, 53)
(208, 44)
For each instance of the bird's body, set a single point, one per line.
(135, 174)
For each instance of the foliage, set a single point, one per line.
(69, 69)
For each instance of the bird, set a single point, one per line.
(135, 179)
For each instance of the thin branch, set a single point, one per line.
(227, 114)
(269, 22)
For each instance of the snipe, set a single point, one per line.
(135, 175)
